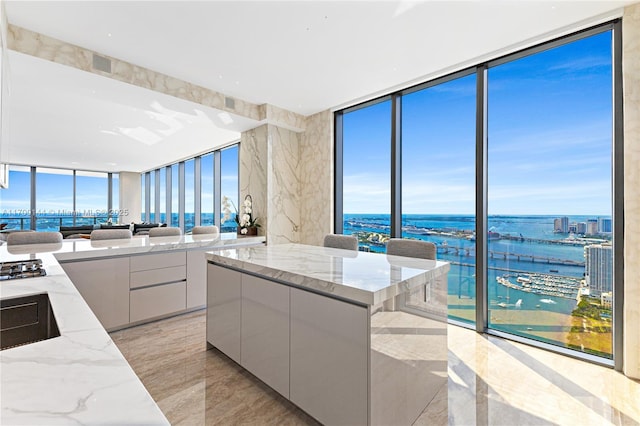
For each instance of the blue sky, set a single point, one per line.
(549, 145)
(549, 136)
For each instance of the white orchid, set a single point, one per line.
(243, 231)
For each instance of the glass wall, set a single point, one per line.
(16, 200)
(162, 212)
(54, 199)
(366, 175)
(438, 181)
(229, 183)
(92, 197)
(152, 198)
(62, 198)
(549, 172)
(207, 191)
(197, 187)
(175, 191)
(189, 195)
(115, 197)
(527, 140)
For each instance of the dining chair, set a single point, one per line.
(346, 242)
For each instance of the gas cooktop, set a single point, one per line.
(21, 269)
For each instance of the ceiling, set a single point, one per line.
(304, 56)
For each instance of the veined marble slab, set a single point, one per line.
(365, 278)
(79, 377)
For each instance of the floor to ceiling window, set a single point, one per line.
(60, 198)
(92, 201)
(189, 195)
(508, 168)
(438, 180)
(175, 191)
(16, 199)
(549, 179)
(54, 199)
(229, 188)
(366, 174)
(193, 190)
(206, 190)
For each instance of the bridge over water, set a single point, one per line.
(470, 252)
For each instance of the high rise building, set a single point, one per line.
(592, 226)
(582, 228)
(599, 268)
(604, 225)
(561, 225)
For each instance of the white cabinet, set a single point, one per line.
(196, 279)
(329, 353)
(147, 262)
(157, 301)
(158, 285)
(265, 331)
(224, 294)
(104, 285)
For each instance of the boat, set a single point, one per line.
(553, 270)
(548, 301)
(519, 303)
(502, 305)
(538, 306)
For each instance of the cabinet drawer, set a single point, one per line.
(156, 301)
(155, 261)
(158, 276)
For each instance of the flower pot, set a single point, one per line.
(250, 231)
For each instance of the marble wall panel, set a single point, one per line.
(41, 46)
(284, 118)
(631, 82)
(254, 170)
(283, 186)
(316, 178)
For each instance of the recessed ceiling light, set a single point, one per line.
(108, 34)
(220, 76)
(237, 83)
(112, 164)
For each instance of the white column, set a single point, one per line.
(130, 201)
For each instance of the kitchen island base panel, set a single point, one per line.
(345, 365)
(265, 332)
(329, 358)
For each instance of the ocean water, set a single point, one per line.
(462, 275)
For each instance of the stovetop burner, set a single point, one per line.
(21, 269)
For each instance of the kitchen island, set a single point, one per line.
(81, 377)
(350, 337)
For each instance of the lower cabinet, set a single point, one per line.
(104, 285)
(329, 358)
(312, 349)
(224, 296)
(196, 279)
(264, 349)
(152, 302)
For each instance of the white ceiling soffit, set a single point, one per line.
(304, 56)
(64, 117)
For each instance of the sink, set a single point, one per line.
(26, 319)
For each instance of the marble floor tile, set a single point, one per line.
(491, 381)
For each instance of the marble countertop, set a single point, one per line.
(81, 249)
(79, 377)
(365, 278)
